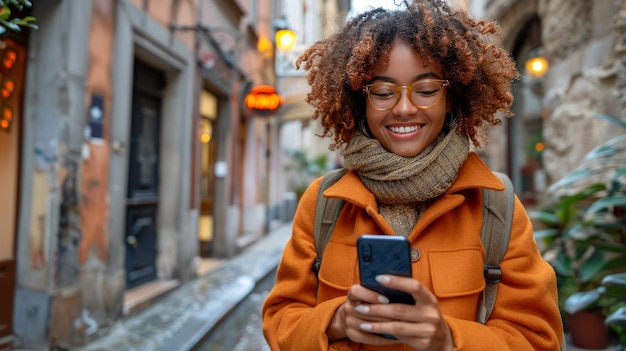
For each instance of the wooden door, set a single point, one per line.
(142, 200)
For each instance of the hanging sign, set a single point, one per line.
(263, 100)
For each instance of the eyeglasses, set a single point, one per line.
(424, 93)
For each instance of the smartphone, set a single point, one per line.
(384, 254)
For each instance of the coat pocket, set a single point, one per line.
(456, 273)
(338, 271)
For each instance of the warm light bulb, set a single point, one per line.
(264, 47)
(539, 147)
(205, 138)
(537, 66)
(286, 39)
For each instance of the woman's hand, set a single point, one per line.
(367, 313)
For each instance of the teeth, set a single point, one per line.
(402, 130)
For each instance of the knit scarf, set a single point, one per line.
(405, 186)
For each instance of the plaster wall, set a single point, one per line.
(49, 226)
(582, 81)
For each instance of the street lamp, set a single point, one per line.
(285, 37)
(537, 64)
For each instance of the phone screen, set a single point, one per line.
(384, 254)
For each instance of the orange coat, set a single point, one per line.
(525, 317)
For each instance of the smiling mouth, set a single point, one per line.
(404, 130)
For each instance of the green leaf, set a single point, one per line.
(10, 25)
(616, 183)
(616, 264)
(563, 264)
(5, 13)
(609, 148)
(30, 25)
(616, 279)
(617, 318)
(592, 266)
(572, 178)
(546, 233)
(610, 246)
(581, 301)
(606, 203)
(545, 217)
(577, 232)
(611, 119)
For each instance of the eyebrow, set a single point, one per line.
(418, 77)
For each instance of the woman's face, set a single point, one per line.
(405, 129)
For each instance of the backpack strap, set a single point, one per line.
(495, 234)
(326, 213)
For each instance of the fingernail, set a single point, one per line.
(383, 299)
(366, 326)
(362, 309)
(382, 279)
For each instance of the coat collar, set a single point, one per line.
(473, 174)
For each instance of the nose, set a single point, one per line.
(404, 105)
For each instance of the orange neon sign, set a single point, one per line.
(263, 100)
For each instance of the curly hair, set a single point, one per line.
(479, 70)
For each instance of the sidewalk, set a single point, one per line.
(180, 320)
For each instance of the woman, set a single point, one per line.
(404, 92)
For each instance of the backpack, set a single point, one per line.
(495, 233)
(496, 229)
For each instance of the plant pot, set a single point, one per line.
(588, 331)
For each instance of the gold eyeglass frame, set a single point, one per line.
(444, 83)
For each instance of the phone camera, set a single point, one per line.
(366, 253)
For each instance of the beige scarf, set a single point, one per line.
(404, 187)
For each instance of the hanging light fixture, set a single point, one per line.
(537, 64)
(285, 37)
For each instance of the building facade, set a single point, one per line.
(555, 122)
(129, 156)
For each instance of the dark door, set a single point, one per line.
(143, 176)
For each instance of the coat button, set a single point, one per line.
(415, 254)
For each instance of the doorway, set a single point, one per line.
(208, 112)
(142, 197)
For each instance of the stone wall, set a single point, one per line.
(587, 77)
(585, 43)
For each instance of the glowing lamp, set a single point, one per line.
(6, 117)
(9, 59)
(7, 88)
(539, 146)
(263, 100)
(205, 137)
(286, 39)
(537, 65)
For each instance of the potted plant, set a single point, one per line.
(610, 299)
(582, 231)
(583, 244)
